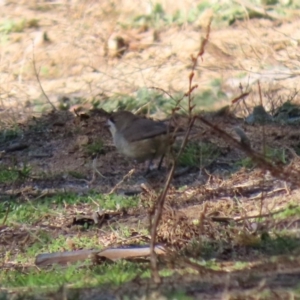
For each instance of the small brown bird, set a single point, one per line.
(139, 138)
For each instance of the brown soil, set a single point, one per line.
(55, 144)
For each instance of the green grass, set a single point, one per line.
(8, 175)
(178, 295)
(151, 100)
(290, 211)
(9, 26)
(111, 274)
(45, 242)
(65, 102)
(276, 155)
(31, 212)
(77, 175)
(246, 162)
(96, 147)
(78, 274)
(9, 134)
(281, 243)
(199, 154)
(52, 210)
(225, 13)
(146, 100)
(12, 174)
(273, 155)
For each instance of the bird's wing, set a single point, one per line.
(144, 129)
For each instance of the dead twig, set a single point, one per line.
(154, 224)
(157, 210)
(36, 73)
(120, 182)
(264, 147)
(279, 172)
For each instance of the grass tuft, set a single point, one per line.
(199, 154)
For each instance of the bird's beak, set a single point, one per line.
(107, 124)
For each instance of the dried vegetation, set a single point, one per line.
(230, 220)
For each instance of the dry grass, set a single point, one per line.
(228, 211)
(74, 57)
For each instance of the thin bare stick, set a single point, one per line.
(264, 147)
(161, 90)
(291, 175)
(38, 78)
(160, 204)
(120, 182)
(157, 210)
(154, 224)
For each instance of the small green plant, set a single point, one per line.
(149, 100)
(96, 147)
(77, 175)
(11, 174)
(32, 23)
(9, 26)
(38, 125)
(211, 264)
(121, 272)
(31, 212)
(40, 105)
(199, 154)
(80, 276)
(66, 101)
(290, 211)
(146, 100)
(155, 18)
(240, 265)
(158, 18)
(9, 134)
(210, 96)
(45, 70)
(178, 295)
(115, 201)
(225, 13)
(25, 171)
(95, 103)
(275, 155)
(8, 174)
(246, 162)
(281, 243)
(123, 231)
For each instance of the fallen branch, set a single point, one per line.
(112, 254)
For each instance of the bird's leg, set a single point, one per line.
(160, 162)
(149, 166)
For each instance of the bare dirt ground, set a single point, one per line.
(76, 60)
(74, 57)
